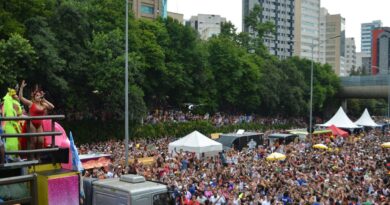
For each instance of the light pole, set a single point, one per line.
(311, 81)
(127, 87)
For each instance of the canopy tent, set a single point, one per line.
(91, 161)
(338, 132)
(366, 120)
(340, 119)
(195, 142)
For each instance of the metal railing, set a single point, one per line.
(372, 80)
(30, 151)
(32, 198)
(31, 178)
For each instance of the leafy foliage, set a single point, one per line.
(75, 50)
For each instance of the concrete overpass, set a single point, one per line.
(365, 87)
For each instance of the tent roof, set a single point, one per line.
(338, 132)
(366, 120)
(340, 119)
(195, 139)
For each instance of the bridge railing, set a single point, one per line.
(372, 80)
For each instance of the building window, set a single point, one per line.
(147, 9)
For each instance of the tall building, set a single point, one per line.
(207, 24)
(363, 62)
(176, 16)
(366, 35)
(307, 29)
(380, 52)
(335, 45)
(350, 55)
(281, 13)
(151, 9)
(322, 36)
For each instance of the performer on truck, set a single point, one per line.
(38, 106)
(11, 108)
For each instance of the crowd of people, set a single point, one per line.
(217, 119)
(354, 172)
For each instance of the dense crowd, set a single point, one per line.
(353, 173)
(217, 119)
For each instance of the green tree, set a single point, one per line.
(236, 75)
(154, 38)
(47, 69)
(106, 76)
(72, 29)
(257, 30)
(17, 56)
(14, 13)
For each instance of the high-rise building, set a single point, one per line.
(207, 24)
(322, 36)
(176, 16)
(307, 29)
(380, 53)
(363, 62)
(366, 35)
(350, 55)
(281, 14)
(335, 43)
(151, 9)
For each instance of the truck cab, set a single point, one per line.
(130, 190)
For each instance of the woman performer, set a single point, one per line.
(38, 106)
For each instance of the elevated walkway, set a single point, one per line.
(365, 87)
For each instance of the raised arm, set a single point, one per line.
(22, 99)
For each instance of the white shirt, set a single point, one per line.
(236, 202)
(217, 200)
(265, 202)
(110, 175)
(201, 199)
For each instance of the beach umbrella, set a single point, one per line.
(320, 146)
(276, 157)
(386, 145)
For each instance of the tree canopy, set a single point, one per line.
(75, 50)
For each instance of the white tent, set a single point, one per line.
(340, 119)
(195, 142)
(366, 120)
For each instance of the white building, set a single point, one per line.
(366, 35)
(363, 62)
(307, 29)
(350, 55)
(207, 25)
(281, 14)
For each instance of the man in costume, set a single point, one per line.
(11, 108)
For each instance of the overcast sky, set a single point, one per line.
(355, 12)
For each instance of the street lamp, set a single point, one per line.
(127, 87)
(311, 80)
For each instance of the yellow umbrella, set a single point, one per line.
(320, 146)
(276, 157)
(386, 145)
